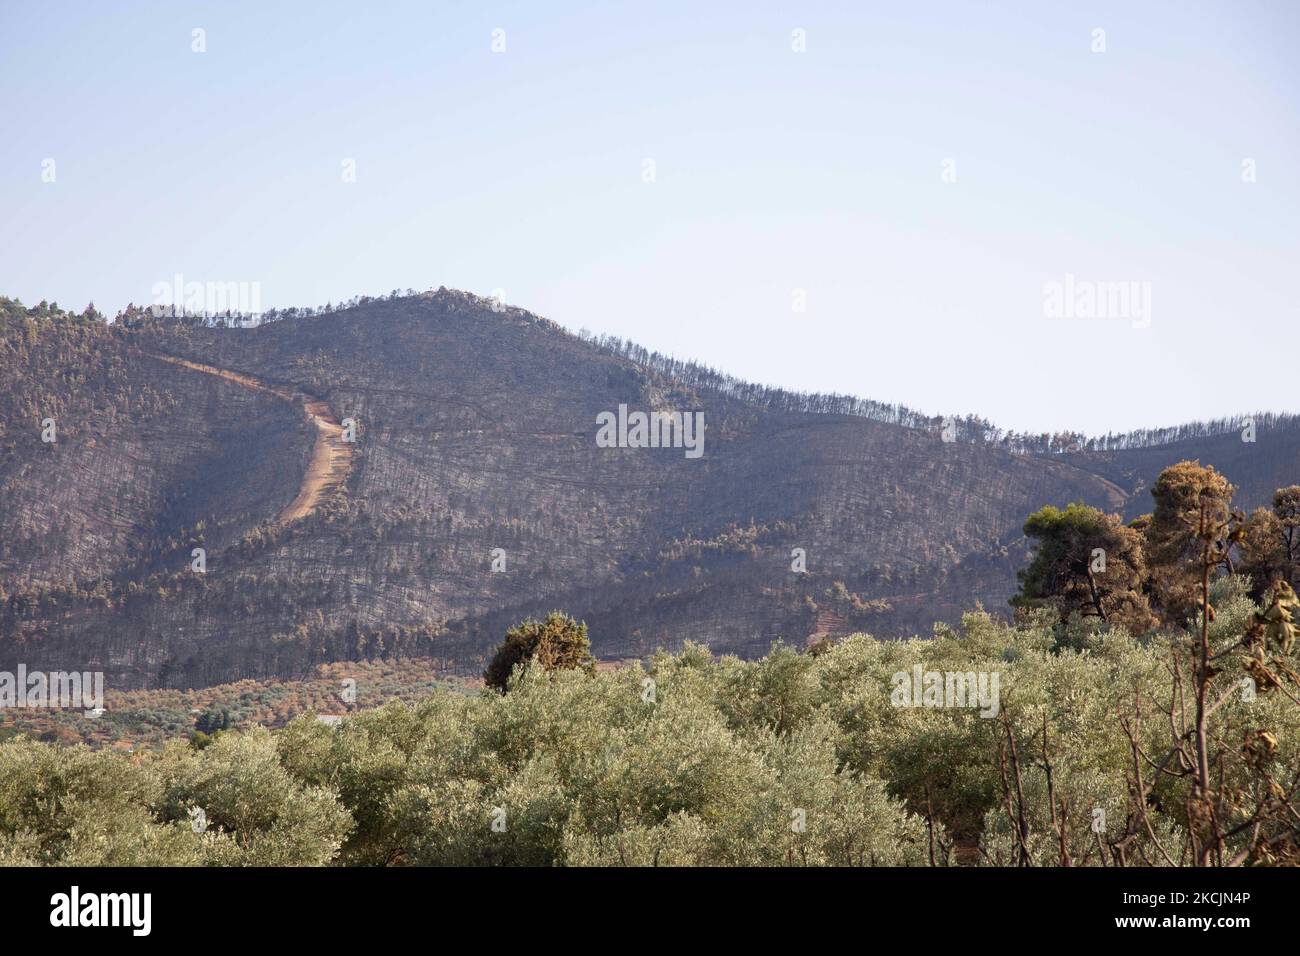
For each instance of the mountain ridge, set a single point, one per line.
(969, 425)
(476, 428)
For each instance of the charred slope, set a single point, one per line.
(1257, 468)
(476, 431)
(141, 455)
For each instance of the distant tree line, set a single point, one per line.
(972, 429)
(969, 428)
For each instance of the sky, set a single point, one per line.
(867, 198)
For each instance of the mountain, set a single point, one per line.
(476, 429)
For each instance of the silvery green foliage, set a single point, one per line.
(72, 806)
(257, 813)
(795, 759)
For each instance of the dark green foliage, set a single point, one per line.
(558, 642)
(212, 721)
(1086, 563)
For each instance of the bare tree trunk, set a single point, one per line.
(1201, 792)
(1095, 594)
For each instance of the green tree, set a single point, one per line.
(255, 812)
(558, 642)
(71, 806)
(1087, 563)
(212, 720)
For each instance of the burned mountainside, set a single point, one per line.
(476, 493)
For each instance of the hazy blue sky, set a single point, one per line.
(775, 171)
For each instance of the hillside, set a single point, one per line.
(476, 430)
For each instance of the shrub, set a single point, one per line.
(558, 642)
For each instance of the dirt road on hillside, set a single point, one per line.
(331, 457)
